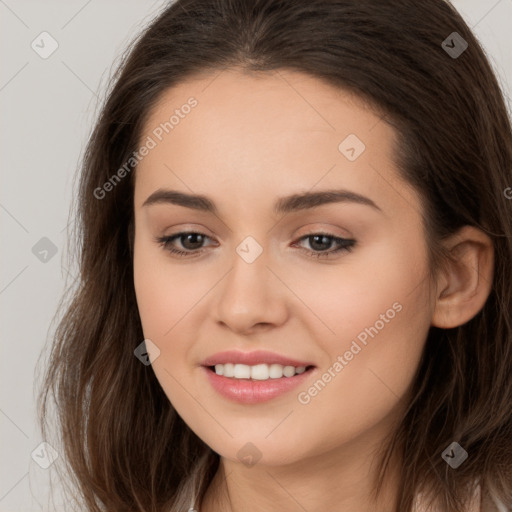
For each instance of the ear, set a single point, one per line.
(465, 283)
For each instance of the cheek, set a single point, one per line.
(346, 297)
(171, 299)
(380, 321)
(373, 311)
(165, 295)
(165, 291)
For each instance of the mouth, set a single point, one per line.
(251, 385)
(258, 372)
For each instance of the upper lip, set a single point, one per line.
(252, 358)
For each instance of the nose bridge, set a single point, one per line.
(249, 270)
(249, 295)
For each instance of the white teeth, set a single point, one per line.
(228, 369)
(258, 372)
(288, 371)
(242, 371)
(276, 371)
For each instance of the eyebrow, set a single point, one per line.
(283, 205)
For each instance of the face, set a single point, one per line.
(337, 284)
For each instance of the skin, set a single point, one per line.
(250, 140)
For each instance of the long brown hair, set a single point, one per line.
(124, 446)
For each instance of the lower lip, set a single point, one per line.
(247, 391)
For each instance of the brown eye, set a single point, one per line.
(320, 243)
(191, 241)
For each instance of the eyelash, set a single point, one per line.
(346, 245)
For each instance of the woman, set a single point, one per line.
(262, 369)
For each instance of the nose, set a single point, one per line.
(251, 297)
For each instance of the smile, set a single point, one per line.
(257, 372)
(237, 383)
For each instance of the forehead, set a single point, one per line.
(263, 133)
(269, 103)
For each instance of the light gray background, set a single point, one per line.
(48, 107)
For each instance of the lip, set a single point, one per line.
(253, 358)
(248, 391)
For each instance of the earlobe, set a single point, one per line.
(464, 285)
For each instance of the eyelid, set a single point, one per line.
(318, 227)
(309, 230)
(190, 228)
(345, 244)
(312, 228)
